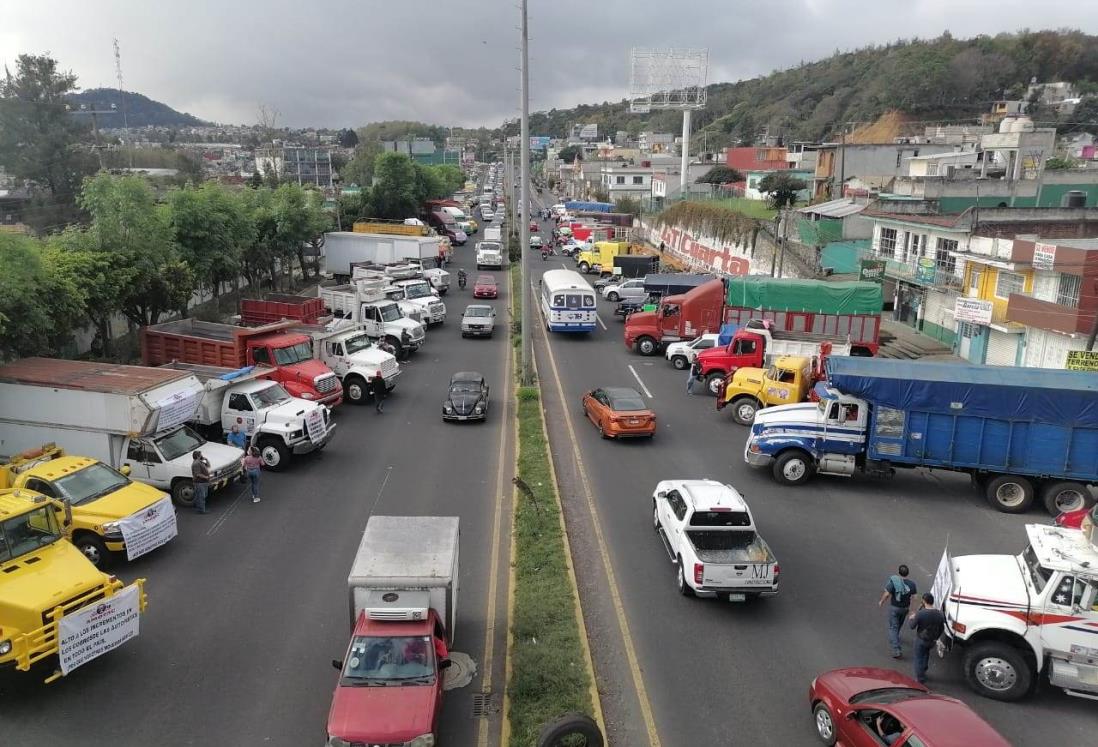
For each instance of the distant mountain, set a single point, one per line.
(141, 111)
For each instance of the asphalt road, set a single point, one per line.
(248, 605)
(717, 673)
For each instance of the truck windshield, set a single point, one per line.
(357, 343)
(176, 443)
(94, 481)
(1038, 575)
(272, 395)
(291, 354)
(417, 291)
(390, 313)
(27, 532)
(378, 661)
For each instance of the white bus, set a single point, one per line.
(567, 301)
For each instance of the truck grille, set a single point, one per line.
(326, 383)
(417, 333)
(438, 309)
(388, 368)
(72, 604)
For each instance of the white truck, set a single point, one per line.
(489, 254)
(367, 304)
(682, 354)
(1016, 617)
(342, 249)
(707, 530)
(281, 426)
(493, 233)
(352, 356)
(433, 274)
(123, 416)
(424, 296)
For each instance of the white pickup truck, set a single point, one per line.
(707, 530)
(352, 356)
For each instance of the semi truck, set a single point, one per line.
(344, 248)
(131, 418)
(46, 583)
(287, 355)
(402, 601)
(787, 380)
(367, 305)
(850, 309)
(1020, 433)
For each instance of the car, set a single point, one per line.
(467, 398)
(536, 242)
(533, 225)
(479, 320)
(487, 215)
(632, 288)
(485, 287)
(682, 354)
(619, 412)
(853, 706)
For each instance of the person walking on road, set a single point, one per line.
(200, 476)
(928, 624)
(690, 375)
(377, 385)
(237, 438)
(898, 591)
(252, 464)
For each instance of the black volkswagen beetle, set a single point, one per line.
(467, 398)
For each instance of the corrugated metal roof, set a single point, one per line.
(109, 378)
(834, 209)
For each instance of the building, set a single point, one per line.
(297, 164)
(838, 232)
(626, 181)
(1003, 108)
(753, 178)
(1051, 94)
(750, 158)
(655, 142)
(941, 164)
(875, 166)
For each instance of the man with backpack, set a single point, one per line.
(898, 591)
(928, 624)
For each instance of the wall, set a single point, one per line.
(844, 256)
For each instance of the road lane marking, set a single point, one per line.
(601, 323)
(638, 378)
(226, 514)
(604, 554)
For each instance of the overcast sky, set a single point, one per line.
(340, 63)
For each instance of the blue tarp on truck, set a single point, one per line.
(591, 207)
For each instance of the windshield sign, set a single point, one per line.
(94, 481)
(390, 313)
(272, 395)
(376, 661)
(357, 343)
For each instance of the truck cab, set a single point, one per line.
(423, 295)
(279, 424)
(355, 359)
(385, 320)
(101, 505)
(489, 254)
(303, 376)
(788, 380)
(1016, 617)
(43, 578)
(682, 316)
(599, 257)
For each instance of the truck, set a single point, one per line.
(489, 254)
(351, 354)
(374, 281)
(850, 309)
(430, 271)
(288, 355)
(787, 380)
(493, 233)
(130, 418)
(402, 601)
(657, 286)
(274, 307)
(599, 258)
(420, 293)
(755, 345)
(279, 425)
(575, 206)
(49, 591)
(1013, 618)
(1019, 433)
(407, 227)
(343, 248)
(708, 533)
(366, 304)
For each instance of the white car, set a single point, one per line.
(632, 290)
(487, 215)
(479, 320)
(682, 354)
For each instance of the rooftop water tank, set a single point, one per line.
(1022, 124)
(1006, 124)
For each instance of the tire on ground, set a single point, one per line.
(558, 732)
(788, 457)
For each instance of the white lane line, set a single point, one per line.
(603, 325)
(377, 499)
(638, 378)
(225, 514)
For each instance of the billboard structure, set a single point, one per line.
(539, 142)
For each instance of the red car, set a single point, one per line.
(533, 226)
(1074, 519)
(868, 707)
(485, 287)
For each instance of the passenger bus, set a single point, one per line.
(567, 301)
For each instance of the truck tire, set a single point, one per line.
(825, 724)
(647, 346)
(613, 297)
(1011, 494)
(655, 517)
(1065, 495)
(183, 493)
(793, 467)
(274, 453)
(998, 671)
(680, 362)
(572, 728)
(93, 548)
(584, 267)
(680, 580)
(714, 383)
(355, 390)
(744, 409)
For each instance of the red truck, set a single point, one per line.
(840, 310)
(290, 353)
(274, 307)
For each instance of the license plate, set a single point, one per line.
(634, 421)
(737, 597)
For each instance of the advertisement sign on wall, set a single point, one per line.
(872, 270)
(539, 142)
(1081, 360)
(972, 310)
(1044, 256)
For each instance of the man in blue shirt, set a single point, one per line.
(237, 438)
(898, 591)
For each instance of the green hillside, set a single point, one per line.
(141, 111)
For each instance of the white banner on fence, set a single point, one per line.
(148, 529)
(98, 628)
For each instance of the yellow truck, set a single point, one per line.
(108, 512)
(787, 381)
(53, 602)
(600, 257)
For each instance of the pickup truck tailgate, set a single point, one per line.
(729, 563)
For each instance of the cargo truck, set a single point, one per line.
(1020, 433)
(288, 355)
(367, 305)
(599, 257)
(279, 425)
(402, 598)
(849, 309)
(656, 287)
(49, 591)
(131, 418)
(788, 379)
(344, 248)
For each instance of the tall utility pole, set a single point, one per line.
(122, 99)
(684, 181)
(524, 228)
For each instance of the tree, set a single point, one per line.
(211, 228)
(1061, 163)
(255, 181)
(191, 168)
(630, 205)
(570, 153)
(720, 175)
(1084, 117)
(781, 189)
(348, 138)
(28, 297)
(394, 193)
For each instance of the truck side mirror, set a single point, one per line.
(68, 513)
(125, 470)
(337, 665)
(661, 494)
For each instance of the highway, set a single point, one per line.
(709, 672)
(248, 605)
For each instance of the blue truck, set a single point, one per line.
(1021, 433)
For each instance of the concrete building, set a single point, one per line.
(627, 181)
(751, 184)
(655, 142)
(940, 164)
(874, 165)
(750, 158)
(297, 164)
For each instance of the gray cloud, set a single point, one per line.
(343, 63)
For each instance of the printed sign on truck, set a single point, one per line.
(98, 628)
(314, 424)
(148, 529)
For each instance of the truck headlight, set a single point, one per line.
(297, 434)
(423, 740)
(111, 530)
(308, 395)
(5, 648)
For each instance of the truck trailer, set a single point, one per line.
(343, 248)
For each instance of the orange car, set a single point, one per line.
(619, 412)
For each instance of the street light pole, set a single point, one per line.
(524, 228)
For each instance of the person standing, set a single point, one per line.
(377, 386)
(253, 462)
(690, 375)
(898, 591)
(200, 475)
(928, 624)
(237, 438)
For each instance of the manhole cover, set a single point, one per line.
(461, 671)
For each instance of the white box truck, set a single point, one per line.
(342, 248)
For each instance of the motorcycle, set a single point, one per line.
(544, 254)
(461, 279)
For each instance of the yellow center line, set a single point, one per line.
(604, 554)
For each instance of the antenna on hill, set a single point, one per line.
(122, 99)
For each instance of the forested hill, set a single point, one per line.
(943, 79)
(140, 110)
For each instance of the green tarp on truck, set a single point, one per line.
(821, 297)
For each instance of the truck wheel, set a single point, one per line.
(183, 493)
(793, 467)
(679, 362)
(744, 409)
(655, 517)
(613, 297)
(1065, 495)
(584, 267)
(680, 581)
(647, 346)
(998, 671)
(93, 548)
(825, 724)
(1011, 494)
(572, 728)
(274, 453)
(714, 383)
(355, 389)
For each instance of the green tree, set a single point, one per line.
(211, 228)
(35, 305)
(1061, 163)
(570, 153)
(631, 205)
(191, 169)
(255, 181)
(781, 189)
(1084, 118)
(98, 277)
(394, 194)
(720, 175)
(299, 220)
(348, 138)
(259, 257)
